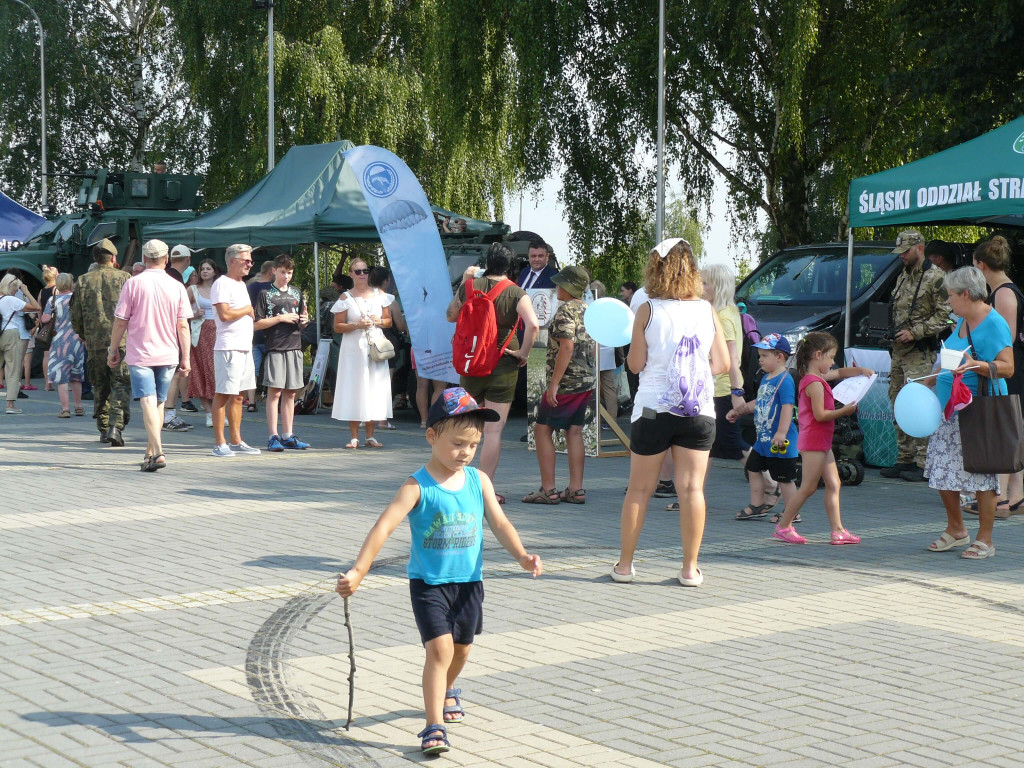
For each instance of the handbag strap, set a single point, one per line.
(993, 372)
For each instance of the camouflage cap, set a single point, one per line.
(908, 239)
(573, 279)
(106, 246)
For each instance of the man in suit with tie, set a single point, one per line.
(538, 274)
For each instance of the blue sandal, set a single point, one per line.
(430, 733)
(455, 710)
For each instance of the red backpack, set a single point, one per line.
(475, 350)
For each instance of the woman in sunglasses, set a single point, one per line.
(363, 389)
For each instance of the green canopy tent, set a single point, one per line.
(979, 182)
(311, 196)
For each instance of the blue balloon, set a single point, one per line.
(609, 322)
(917, 410)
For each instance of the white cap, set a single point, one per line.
(181, 251)
(154, 249)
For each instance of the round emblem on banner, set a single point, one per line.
(380, 179)
(1018, 145)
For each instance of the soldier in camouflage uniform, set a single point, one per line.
(92, 315)
(919, 314)
(571, 374)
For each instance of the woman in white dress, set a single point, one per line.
(363, 389)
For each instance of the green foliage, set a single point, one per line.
(627, 258)
(92, 116)
(436, 81)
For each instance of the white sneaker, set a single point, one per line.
(209, 420)
(223, 451)
(242, 447)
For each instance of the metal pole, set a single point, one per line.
(849, 291)
(659, 233)
(270, 86)
(316, 289)
(42, 94)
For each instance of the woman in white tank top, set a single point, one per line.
(677, 348)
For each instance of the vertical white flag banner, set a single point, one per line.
(413, 246)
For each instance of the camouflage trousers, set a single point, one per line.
(111, 392)
(909, 365)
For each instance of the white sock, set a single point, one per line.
(285, 435)
(168, 414)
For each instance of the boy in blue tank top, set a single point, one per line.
(445, 501)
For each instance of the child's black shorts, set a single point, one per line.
(781, 470)
(448, 609)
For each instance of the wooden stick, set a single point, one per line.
(352, 665)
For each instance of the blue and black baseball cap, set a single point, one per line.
(456, 401)
(774, 342)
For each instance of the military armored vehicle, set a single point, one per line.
(113, 205)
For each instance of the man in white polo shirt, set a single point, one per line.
(232, 352)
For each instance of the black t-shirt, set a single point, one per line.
(271, 302)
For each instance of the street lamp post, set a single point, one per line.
(660, 213)
(268, 6)
(42, 94)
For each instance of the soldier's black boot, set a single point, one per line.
(896, 470)
(114, 437)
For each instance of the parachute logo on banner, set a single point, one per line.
(380, 179)
(1018, 145)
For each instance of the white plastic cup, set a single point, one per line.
(950, 359)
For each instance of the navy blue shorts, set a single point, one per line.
(729, 442)
(448, 609)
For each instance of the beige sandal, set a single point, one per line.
(64, 415)
(373, 442)
(542, 496)
(352, 444)
(573, 497)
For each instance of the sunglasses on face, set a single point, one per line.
(360, 271)
(246, 261)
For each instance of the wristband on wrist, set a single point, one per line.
(736, 391)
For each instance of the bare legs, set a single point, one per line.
(490, 450)
(423, 397)
(445, 660)
(153, 419)
(816, 464)
(76, 391)
(232, 405)
(690, 467)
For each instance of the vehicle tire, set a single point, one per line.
(851, 471)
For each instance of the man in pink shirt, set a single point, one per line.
(154, 310)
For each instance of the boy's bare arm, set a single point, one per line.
(785, 419)
(505, 532)
(408, 496)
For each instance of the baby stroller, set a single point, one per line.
(848, 448)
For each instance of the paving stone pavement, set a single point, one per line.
(186, 618)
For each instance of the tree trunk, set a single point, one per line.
(793, 214)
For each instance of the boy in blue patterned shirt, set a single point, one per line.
(445, 501)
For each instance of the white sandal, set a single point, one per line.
(946, 541)
(352, 444)
(979, 550)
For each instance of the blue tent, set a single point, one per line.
(16, 222)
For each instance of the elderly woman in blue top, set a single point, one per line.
(989, 339)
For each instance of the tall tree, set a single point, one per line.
(115, 95)
(436, 81)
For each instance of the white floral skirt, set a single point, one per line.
(944, 466)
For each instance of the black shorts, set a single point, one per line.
(781, 470)
(448, 609)
(649, 437)
(729, 442)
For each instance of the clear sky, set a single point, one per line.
(546, 217)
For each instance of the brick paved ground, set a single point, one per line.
(185, 619)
